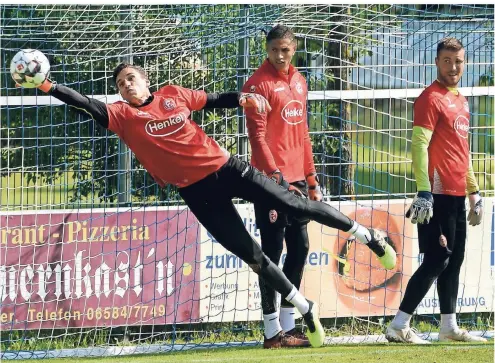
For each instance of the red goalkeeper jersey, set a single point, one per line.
(447, 115)
(171, 147)
(280, 139)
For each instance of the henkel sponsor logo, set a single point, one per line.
(461, 126)
(160, 128)
(292, 113)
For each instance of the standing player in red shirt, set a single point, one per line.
(281, 148)
(442, 166)
(158, 129)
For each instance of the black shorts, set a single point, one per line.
(266, 215)
(449, 219)
(210, 199)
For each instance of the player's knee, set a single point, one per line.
(434, 265)
(300, 239)
(455, 261)
(302, 250)
(259, 263)
(298, 207)
(440, 265)
(444, 263)
(256, 267)
(305, 245)
(275, 256)
(273, 251)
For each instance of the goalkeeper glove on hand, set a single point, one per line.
(314, 191)
(476, 211)
(46, 86)
(421, 209)
(254, 100)
(278, 178)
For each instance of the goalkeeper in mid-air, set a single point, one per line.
(175, 150)
(443, 170)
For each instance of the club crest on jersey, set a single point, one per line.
(169, 104)
(461, 126)
(292, 113)
(169, 126)
(299, 88)
(272, 216)
(252, 89)
(466, 106)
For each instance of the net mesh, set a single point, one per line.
(94, 254)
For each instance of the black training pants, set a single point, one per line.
(441, 263)
(274, 227)
(210, 199)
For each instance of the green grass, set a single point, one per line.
(380, 172)
(370, 353)
(207, 333)
(15, 191)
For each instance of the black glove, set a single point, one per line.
(278, 178)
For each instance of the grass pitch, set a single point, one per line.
(376, 353)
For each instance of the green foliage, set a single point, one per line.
(52, 142)
(357, 150)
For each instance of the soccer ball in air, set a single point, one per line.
(29, 68)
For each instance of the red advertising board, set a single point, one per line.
(73, 269)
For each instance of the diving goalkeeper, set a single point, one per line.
(174, 150)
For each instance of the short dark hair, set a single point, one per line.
(280, 32)
(124, 65)
(449, 43)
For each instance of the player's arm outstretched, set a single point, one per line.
(235, 99)
(97, 110)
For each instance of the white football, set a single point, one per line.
(29, 68)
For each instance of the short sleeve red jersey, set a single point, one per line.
(280, 139)
(171, 147)
(447, 115)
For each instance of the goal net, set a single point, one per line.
(97, 260)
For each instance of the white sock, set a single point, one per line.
(448, 322)
(362, 233)
(401, 320)
(299, 301)
(272, 325)
(288, 318)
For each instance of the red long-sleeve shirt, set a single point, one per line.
(171, 147)
(447, 115)
(280, 139)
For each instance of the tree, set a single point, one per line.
(51, 143)
(337, 42)
(187, 45)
